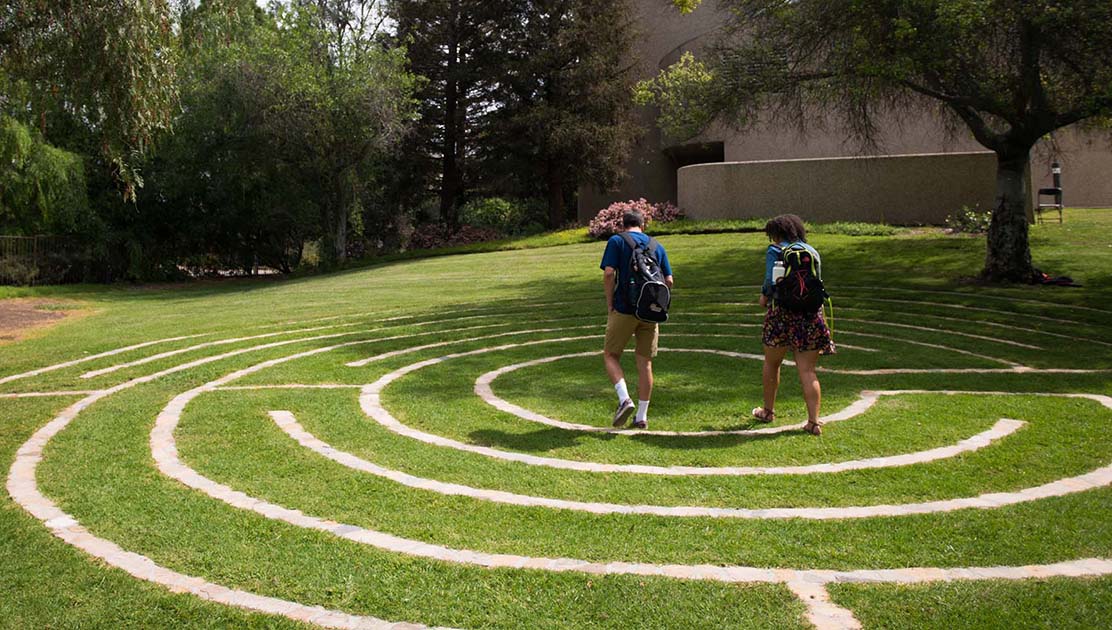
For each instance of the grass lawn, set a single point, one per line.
(372, 504)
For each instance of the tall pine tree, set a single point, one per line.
(566, 107)
(456, 46)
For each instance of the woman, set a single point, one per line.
(806, 334)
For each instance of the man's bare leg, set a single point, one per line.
(644, 378)
(644, 391)
(625, 409)
(613, 364)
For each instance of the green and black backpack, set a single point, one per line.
(801, 290)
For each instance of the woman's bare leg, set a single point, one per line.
(771, 374)
(806, 362)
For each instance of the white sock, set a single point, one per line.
(623, 391)
(642, 411)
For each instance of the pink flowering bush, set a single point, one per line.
(608, 222)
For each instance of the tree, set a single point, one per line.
(455, 45)
(564, 103)
(283, 114)
(1011, 71)
(369, 103)
(276, 142)
(42, 188)
(110, 62)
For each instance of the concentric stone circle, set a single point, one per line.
(808, 584)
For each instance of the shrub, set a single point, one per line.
(495, 213)
(437, 235)
(969, 221)
(850, 228)
(469, 234)
(508, 216)
(608, 222)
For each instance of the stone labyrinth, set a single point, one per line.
(930, 403)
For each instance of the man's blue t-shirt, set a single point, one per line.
(617, 255)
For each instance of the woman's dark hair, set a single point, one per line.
(786, 227)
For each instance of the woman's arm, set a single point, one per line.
(771, 256)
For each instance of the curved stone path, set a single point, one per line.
(484, 390)
(807, 584)
(288, 423)
(370, 400)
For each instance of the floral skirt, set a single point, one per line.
(802, 332)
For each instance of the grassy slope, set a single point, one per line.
(249, 453)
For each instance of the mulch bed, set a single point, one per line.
(20, 316)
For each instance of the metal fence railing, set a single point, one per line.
(35, 260)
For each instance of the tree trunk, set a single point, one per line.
(556, 215)
(450, 179)
(334, 224)
(340, 235)
(1009, 253)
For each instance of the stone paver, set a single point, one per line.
(94, 357)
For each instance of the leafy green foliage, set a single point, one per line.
(42, 187)
(109, 62)
(278, 139)
(969, 221)
(680, 91)
(507, 216)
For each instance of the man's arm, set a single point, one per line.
(665, 266)
(609, 279)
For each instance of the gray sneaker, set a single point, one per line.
(640, 425)
(625, 410)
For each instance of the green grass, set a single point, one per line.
(683, 226)
(888, 285)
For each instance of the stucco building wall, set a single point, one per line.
(657, 169)
(899, 190)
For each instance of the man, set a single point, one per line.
(621, 324)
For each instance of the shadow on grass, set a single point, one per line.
(551, 439)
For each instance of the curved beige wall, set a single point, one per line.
(900, 190)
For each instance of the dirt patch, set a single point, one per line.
(19, 317)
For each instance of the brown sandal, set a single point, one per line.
(813, 428)
(764, 414)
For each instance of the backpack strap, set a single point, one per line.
(633, 246)
(802, 246)
(651, 246)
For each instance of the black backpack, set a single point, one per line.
(647, 292)
(801, 290)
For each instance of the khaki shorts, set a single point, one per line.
(620, 327)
